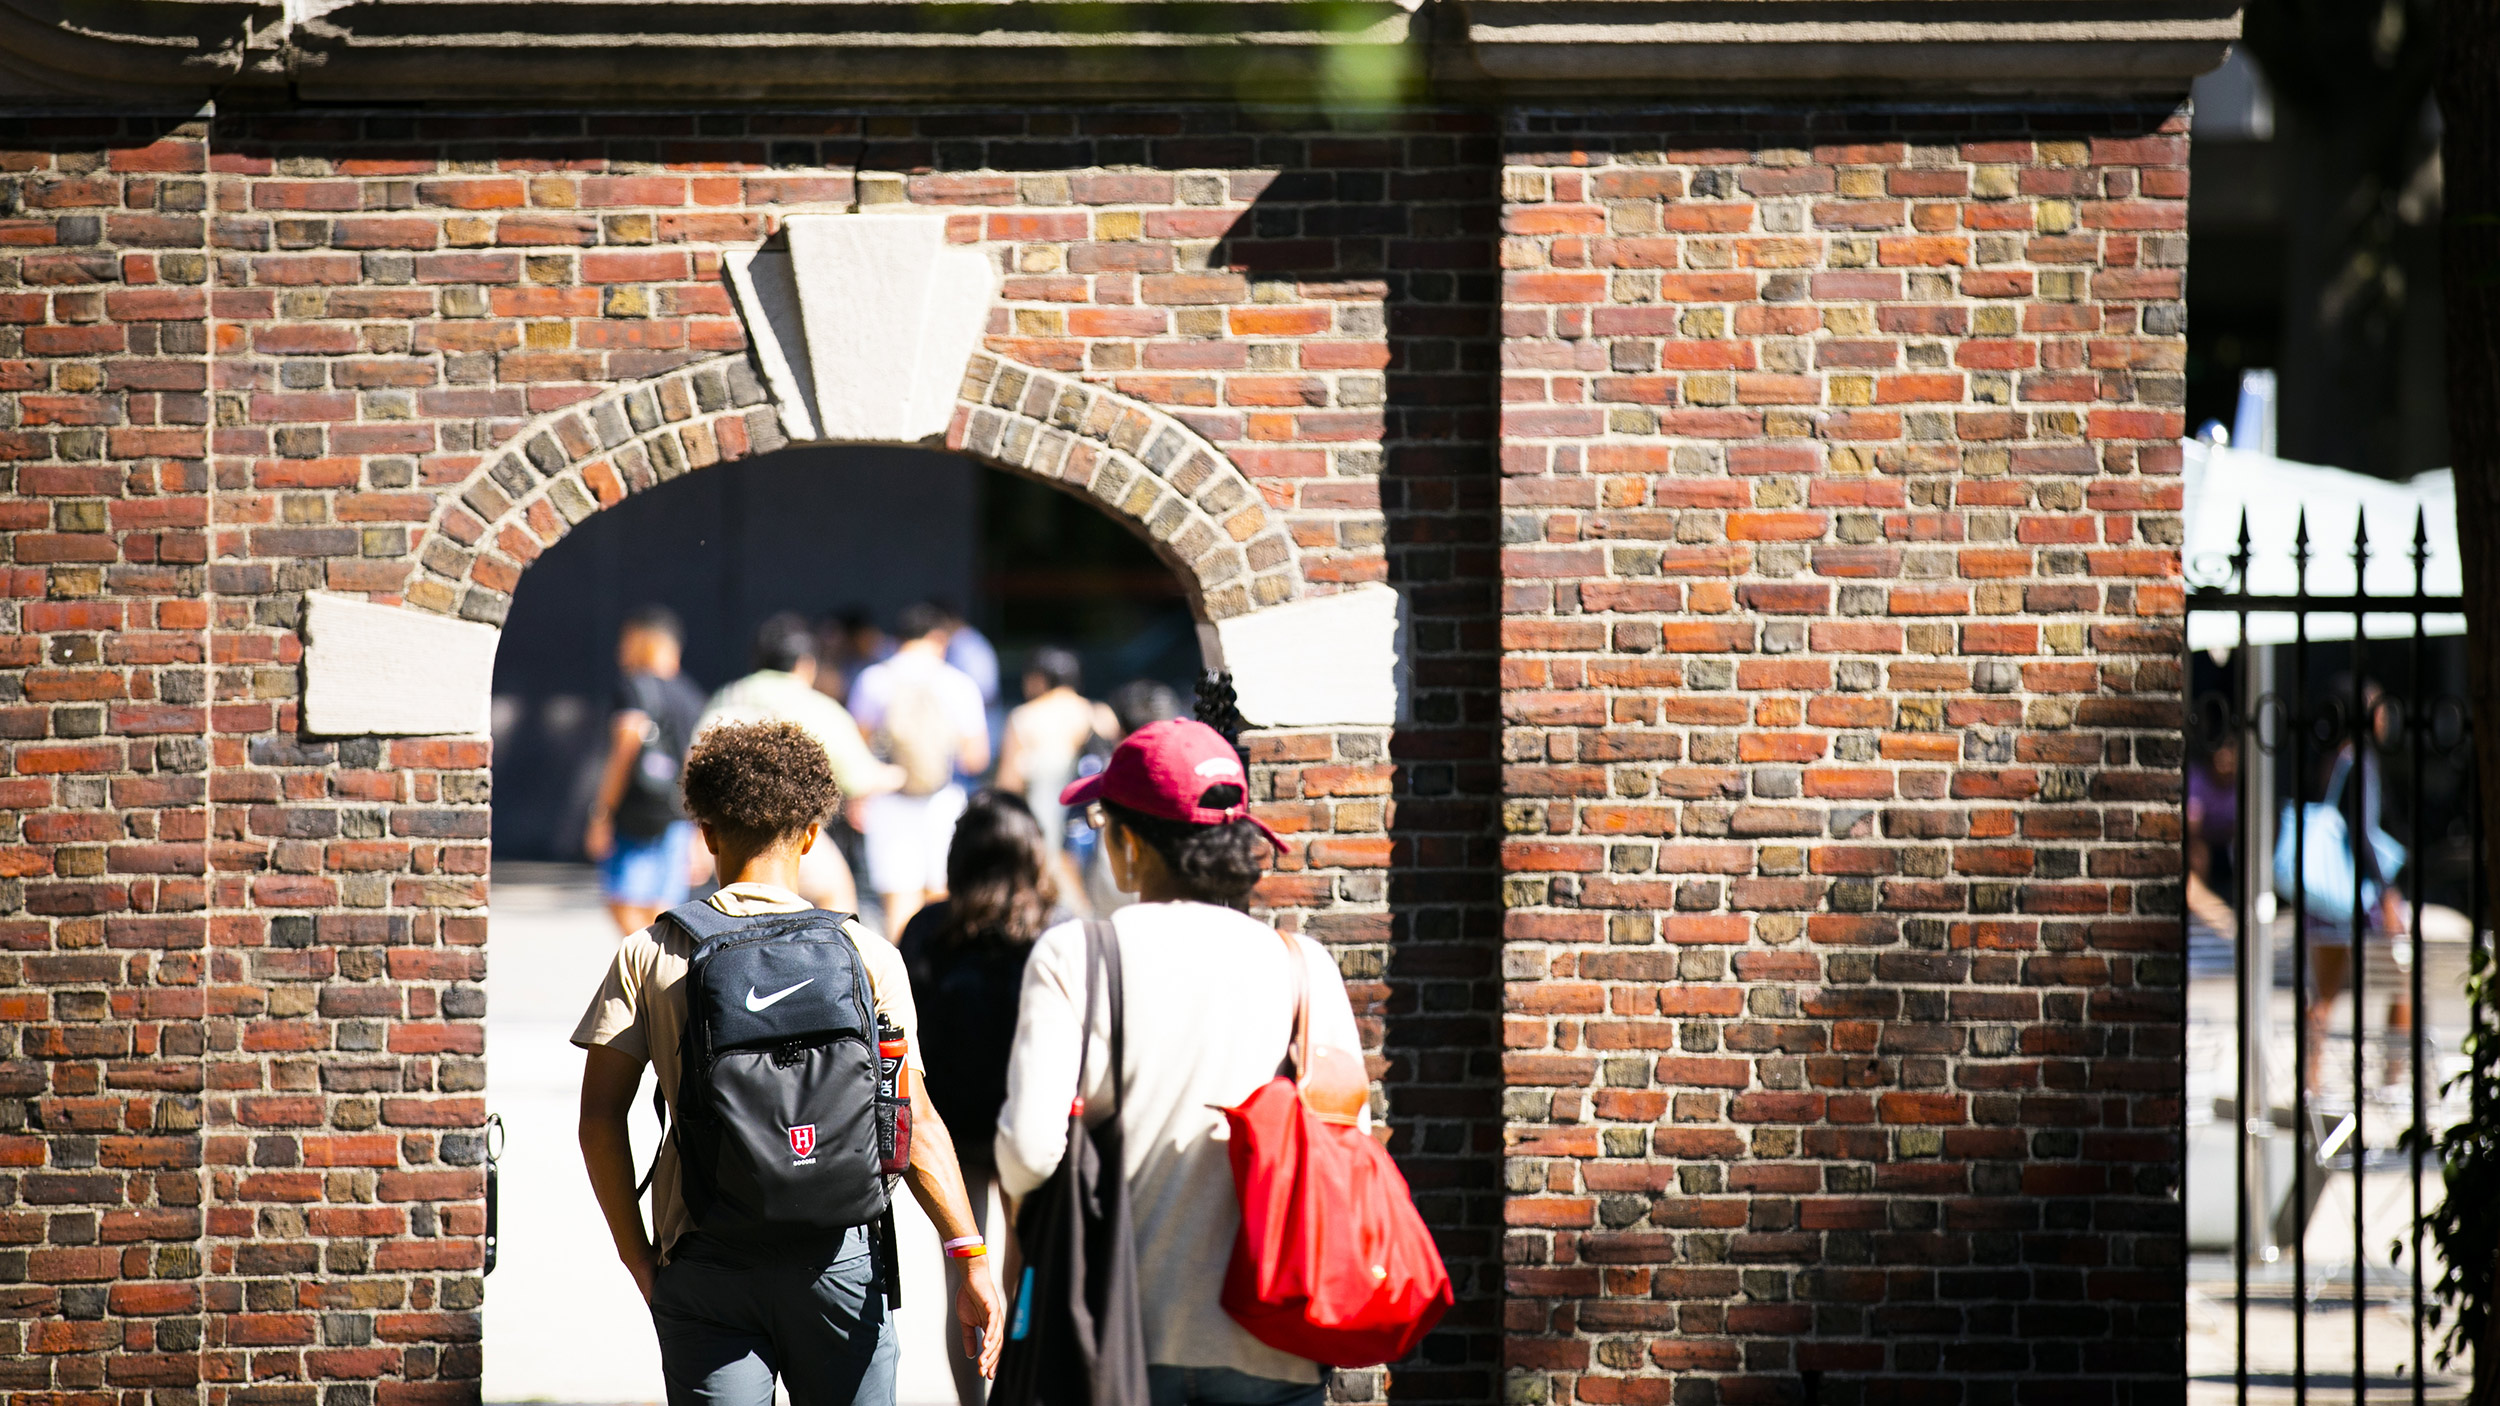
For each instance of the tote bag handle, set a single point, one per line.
(1334, 1084)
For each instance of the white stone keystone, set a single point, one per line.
(1318, 662)
(382, 670)
(863, 324)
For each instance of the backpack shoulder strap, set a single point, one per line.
(659, 1111)
(842, 923)
(703, 923)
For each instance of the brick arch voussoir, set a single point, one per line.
(571, 463)
(1140, 464)
(1195, 507)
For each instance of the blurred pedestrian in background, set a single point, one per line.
(1139, 703)
(966, 955)
(847, 641)
(638, 832)
(783, 689)
(971, 651)
(925, 716)
(2213, 833)
(2350, 879)
(1046, 734)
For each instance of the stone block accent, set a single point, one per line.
(371, 670)
(862, 323)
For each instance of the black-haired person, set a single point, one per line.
(733, 1316)
(637, 832)
(966, 956)
(1208, 1005)
(1046, 734)
(783, 689)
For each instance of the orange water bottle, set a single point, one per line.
(893, 1098)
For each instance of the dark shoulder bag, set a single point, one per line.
(1073, 1335)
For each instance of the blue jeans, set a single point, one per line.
(649, 872)
(731, 1318)
(1223, 1386)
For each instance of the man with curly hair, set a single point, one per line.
(731, 1316)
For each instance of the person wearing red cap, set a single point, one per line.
(1208, 1006)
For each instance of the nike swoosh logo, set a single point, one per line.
(757, 1003)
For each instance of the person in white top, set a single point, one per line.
(1209, 1012)
(783, 689)
(926, 717)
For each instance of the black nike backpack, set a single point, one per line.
(777, 1128)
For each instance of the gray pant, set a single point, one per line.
(731, 1318)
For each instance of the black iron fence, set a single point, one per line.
(2334, 846)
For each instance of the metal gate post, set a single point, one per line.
(2256, 986)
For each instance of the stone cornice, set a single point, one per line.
(693, 52)
(1804, 47)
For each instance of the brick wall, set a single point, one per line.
(1783, 521)
(1841, 690)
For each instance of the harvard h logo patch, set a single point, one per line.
(803, 1140)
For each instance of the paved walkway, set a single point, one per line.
(2386, 1203)
(563, 1323)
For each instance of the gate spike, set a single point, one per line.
(2239, 558)
(2300, 553)
(2421, 548)
(2360, 560)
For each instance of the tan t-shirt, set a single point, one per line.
(641, 1008)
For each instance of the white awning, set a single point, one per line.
(2276, 495)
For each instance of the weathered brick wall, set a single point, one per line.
(1841, 681)
(1765, 894)
(105, 977)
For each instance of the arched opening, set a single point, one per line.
(1316, 665)
(819, 531)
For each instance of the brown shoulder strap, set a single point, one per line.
(1334, 1083)
(1298, 1049)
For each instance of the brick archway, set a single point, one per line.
(1140, 465)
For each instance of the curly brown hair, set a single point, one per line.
(755, 783)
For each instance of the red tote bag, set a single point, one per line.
(1332, 1263)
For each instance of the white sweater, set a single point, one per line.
(1210, 1011)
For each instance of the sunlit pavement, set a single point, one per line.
(2386, 1326)
(563, 1323)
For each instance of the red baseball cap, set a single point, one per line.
(1165, 770)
